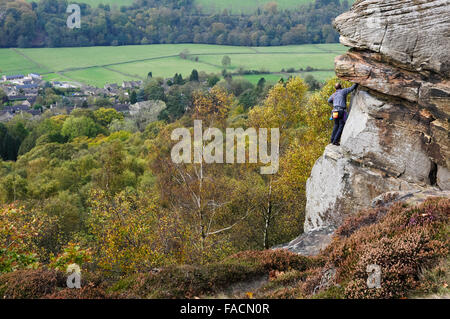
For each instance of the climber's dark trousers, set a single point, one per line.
(337, 130)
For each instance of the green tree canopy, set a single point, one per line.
(80, 126)
(105, 116)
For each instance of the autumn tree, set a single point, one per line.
(304, 149)
(284, 108)
(20, 233)
(123, 227)
(111, 176)
(202, 193)
(212, 107)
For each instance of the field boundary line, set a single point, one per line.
(177, 55)
(38, 65)
(326, 50)
(124, 73)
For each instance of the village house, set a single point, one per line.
(35, 76)
(6, 115)
(131, 84)
(32, 99)
(123, 108)
(111, 87)
(63, 85)
(11, 78)
(9, 112)
(20, 79)
(17, 97)
(28, 89)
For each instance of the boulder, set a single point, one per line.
(341, 185)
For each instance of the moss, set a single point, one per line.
(122, 284)
(335, 292)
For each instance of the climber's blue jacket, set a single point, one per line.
(339, 98)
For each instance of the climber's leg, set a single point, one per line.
(335, 130)
(340, 128)
(345, 116)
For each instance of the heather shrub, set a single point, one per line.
(30, 284)
(402, 241)
(400, 259)
(362, 219)
(50, 284)
(284, 285)
(312, 281)
(282, 293)
(89, 291)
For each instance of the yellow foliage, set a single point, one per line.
(307, 145)
(212, 106)
(100, 139)
(59, 119)
(130, 236)
(19, 231)
(283, 107)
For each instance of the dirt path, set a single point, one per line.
(239, 290)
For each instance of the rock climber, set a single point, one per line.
(339, 101)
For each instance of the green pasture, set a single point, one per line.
(247, 6)
(274, 62)
(100, 65)
(95, 3)
(275, 77)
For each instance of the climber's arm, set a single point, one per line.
(350, 89)
(330, 100)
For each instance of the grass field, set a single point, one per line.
(95, 3)
(247, 6)
(213, 6)
(100, 65)
(275, 77)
